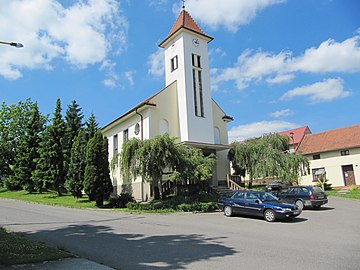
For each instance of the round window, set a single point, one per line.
(137, 129)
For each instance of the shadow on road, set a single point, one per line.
(323, 208)
(135, 251)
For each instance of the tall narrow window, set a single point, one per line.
(197, 85)
(115, 144)
(174, 63)
(126, 135)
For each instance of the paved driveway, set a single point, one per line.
(328, 238)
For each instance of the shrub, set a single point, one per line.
(122, 200)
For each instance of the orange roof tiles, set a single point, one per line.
(336, 139)
(187, 22)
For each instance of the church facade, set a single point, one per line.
(184, 108)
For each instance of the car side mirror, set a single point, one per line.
(258, 201)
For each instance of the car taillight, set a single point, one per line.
(312, 197)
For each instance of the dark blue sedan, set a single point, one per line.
(255, 203)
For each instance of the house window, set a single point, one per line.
(345, 152)
(115, 144)
(126, 135)
(174, 63)
(317, 156)
(317, 173)
(197, 85)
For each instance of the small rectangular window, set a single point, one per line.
(126, 135)
(317, 156)
(116, 144)
(174, 63)
(317, 173)
(196, 61)
(345, 152)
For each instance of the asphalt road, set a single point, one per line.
(328, 238)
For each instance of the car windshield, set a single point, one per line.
(268, 197)
(317, 190)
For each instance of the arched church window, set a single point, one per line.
(164, 126)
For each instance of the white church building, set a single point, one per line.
(184, 108)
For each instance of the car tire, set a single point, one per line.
(269, 215)
(300, 204)
(228, 211)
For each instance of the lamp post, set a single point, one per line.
(14, 44)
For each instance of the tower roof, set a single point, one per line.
(184, 21)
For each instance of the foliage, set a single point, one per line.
(27, 152)
(121, 201)
(91, 127)
(13, 121)
(149, 159)
(50, 171)
(75, 175)
(323, 182)
(97, 182)
(16, 249)
(171, 205)
(192, 165)
(73, 124)
(267, 156)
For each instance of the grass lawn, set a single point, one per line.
(16, 249)
(353, 194)
(50, 198)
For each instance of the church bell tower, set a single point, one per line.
(187, 63)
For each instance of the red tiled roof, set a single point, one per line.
(296, 135)
(336, 139)
(184, 21)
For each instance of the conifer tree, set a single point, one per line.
(50, 166)
(28, 150)
(97, 182)
(73, 125)
(76, 171)
(91, 126)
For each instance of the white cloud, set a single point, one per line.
(330, 56)
(82, 34)
(324, 91)
(282, 113)
(230, 14)
(129, 76)
(257, 67)
(242, 132)
(111, 76)
(156, 63)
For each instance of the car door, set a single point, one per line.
(287, 195)
(253, 204)
(238, 202)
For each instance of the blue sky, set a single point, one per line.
(275, 64)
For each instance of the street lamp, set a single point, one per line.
(14, 44)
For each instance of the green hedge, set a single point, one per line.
(184, 207)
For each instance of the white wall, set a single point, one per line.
(333, 162)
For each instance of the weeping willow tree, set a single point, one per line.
(268, 156)
(149, 159)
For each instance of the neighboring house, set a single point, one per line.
(335, 154)
(295, 136)
(184, 108)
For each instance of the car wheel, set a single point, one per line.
(269, 215)
(228, 211)
(299, 204)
